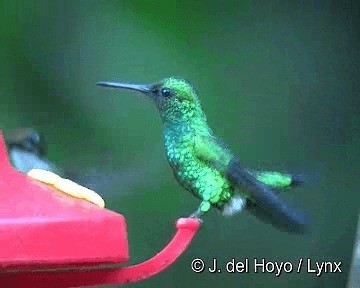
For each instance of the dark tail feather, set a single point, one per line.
(312, 177)
(283, 225)
(265, 203)
(297, 180)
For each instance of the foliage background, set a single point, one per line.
(277, 79)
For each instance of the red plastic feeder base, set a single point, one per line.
(42, 229)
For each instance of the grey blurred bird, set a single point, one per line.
(27, 150)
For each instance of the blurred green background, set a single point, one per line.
(277, 79)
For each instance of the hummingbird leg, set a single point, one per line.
(197, 215)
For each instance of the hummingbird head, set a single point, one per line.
(27, 139)
(175, 98)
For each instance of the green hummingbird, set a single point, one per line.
(207, 168)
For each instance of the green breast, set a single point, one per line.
(203, 181)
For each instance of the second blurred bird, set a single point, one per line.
(27, 149)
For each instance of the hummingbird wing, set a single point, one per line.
(278, 182)
(265, 217)
(260, 196)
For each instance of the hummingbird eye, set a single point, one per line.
(166, 92)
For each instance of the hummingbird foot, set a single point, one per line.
(197, 215)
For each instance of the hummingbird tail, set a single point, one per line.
(297, 180)
(284, 180)
(266, 201)
(268, 218)
(278, 180)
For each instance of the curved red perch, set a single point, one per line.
(48, 239)
(186, 230)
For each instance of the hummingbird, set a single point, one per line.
(205, 166)
(27, 150)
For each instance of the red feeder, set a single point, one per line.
(48, 239)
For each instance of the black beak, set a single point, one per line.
(143, 88)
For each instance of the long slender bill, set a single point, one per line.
(143, 88)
